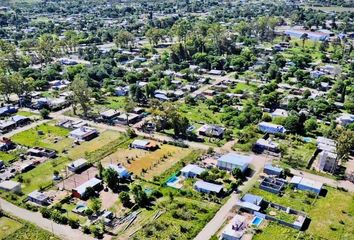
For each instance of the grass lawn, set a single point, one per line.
(298, 200)
(7, 157)
(297, 153)
(200, 113)
(27, 114)
(8, 226)
(88, 147)
(29, 231)
(275, 231)
(116, 103)
(182, 219)
(244, 87)
(333, 216)
(41, 176)
(148, 164)
(52, 136)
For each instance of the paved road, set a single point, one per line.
(62, 231)
(121, 128)
(213, 226)
(217, 221)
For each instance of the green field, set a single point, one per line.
(332, 216)
(46, 135)
(8, 226)
(200, 113)
(7, 157)
(183, 219)
(31, 232)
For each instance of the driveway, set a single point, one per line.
(62, 231)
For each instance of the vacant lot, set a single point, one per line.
(29, 231)
(145, 163)
(41, 176)
(46, 135)
(8, 226)
(333, 216)
(7, 157)
(88, 147)
(181, 219)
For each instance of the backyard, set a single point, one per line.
(8, 226)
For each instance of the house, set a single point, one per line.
(110, 114)
(233, 160)
(191, 171)
(272, 184)
(77, 165)
(144, 144)
(306, 184)
(216, 72)
(121, 91)
(10, 186)
(250, 202)
(38, 198)
(80, 191)
(41, 152)
(271, 128)
(345, 119)
(6, 144)
(326, 144)
(266, 144)
(122, 171)
(317, 74)
(279, 113)
(211, 131)
(327, 161)
(20, 120)
(7, 110)
(7, 125)
(127, 118)
(272, 170)
(314, 36)
(206, 187)
(235, 229)
(84, 133)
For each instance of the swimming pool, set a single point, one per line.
(307, 139)
(257, 221)
(172, 180)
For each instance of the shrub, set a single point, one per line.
(46, 213)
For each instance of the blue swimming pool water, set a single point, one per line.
(172, 179)
(307, 139)
(257, 221)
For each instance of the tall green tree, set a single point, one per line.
(81, 94)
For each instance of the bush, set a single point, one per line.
(46, 213)
(44, 113)
(73, 223)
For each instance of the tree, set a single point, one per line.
(154, 35)
(21, 86)
(95, 204)
(237, 173)
(47, 47)
(140, 196)
(345, 142)
(129, 106)
(44, 113)
(304, 37)
(111, 177)
(124, 198)
(123, 38)
(292, 124)
(81, 93)
(310, 125)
